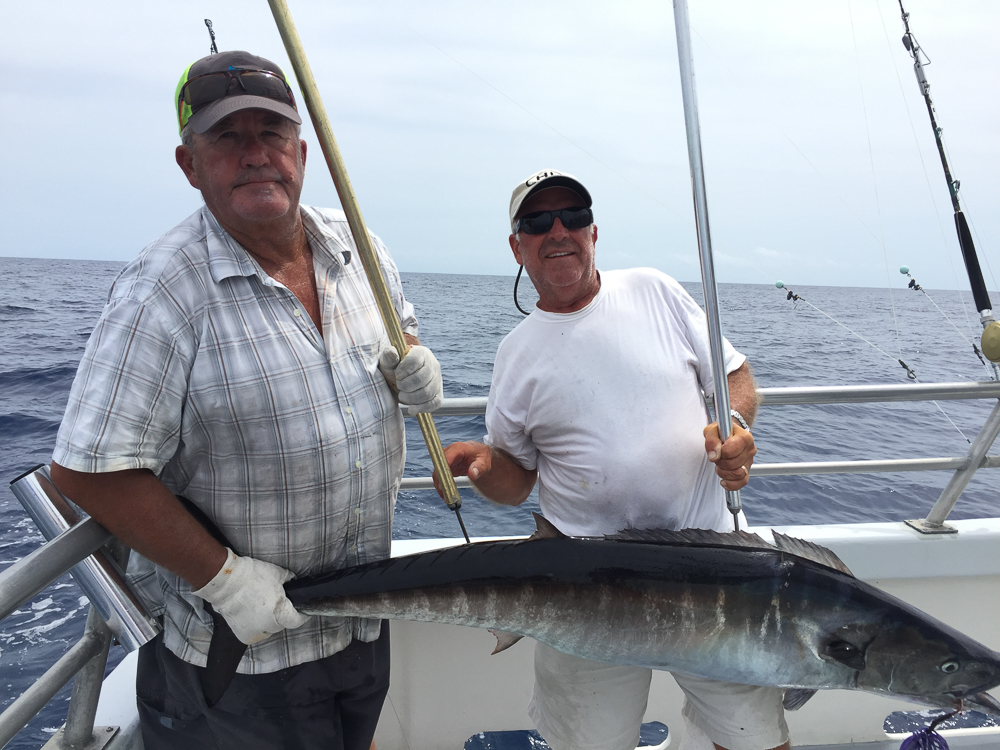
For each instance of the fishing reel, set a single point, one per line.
(990, 341)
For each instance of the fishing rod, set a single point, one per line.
(693, 130)
(990, 341)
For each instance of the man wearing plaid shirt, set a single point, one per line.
(241, 363)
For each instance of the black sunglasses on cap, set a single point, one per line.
(210, 87)
(540, 222)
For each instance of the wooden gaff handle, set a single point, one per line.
(293, 45)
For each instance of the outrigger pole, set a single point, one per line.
(296, 53)
(722, 408)
(991, 329)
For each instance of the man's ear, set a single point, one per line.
(185, 160)
(594, 239)
(302, 145)
(515, 246)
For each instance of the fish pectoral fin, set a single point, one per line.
(846, 653)
(810, 551)
(795, 698)
(544, 529)
(505, 640)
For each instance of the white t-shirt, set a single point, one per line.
(608, 404)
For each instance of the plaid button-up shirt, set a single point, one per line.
(211, 374)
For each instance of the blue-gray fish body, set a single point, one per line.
(687, 602)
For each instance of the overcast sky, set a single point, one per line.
(821, 167)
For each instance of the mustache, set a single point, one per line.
(258, 175)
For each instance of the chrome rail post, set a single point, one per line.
(32, 573)
(42, 690)
(98, 576)
(934, 523)
(79, 729)
(693, 129)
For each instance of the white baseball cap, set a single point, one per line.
(543, 180)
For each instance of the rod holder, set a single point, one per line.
(98, 576)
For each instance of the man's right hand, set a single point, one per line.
(250, 595)
(468, 459)
(493, 472)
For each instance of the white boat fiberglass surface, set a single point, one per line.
(446, 686)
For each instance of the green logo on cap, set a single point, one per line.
(183, 110)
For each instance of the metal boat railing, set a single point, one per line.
(77, 544)
(74, 540)
(851, 394)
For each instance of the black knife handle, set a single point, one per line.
(225, 650)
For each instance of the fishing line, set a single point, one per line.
(795, 298)
(825, 181)
(520, 106)
(952, 421)
(871, 161)
(396, 714)
(918, 288)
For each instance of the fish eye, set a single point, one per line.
(949, 667)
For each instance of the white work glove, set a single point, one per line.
(250, 595)
(416, 380)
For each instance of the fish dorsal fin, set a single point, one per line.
(696, 537)
(810, 551)
(544, 529)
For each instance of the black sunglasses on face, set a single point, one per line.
(210, 87)
(540, 222)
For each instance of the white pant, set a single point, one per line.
(579, 704)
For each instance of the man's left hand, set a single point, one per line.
(416, 379)
(733, 458)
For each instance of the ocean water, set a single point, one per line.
(48, 307)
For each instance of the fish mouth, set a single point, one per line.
(980, 702)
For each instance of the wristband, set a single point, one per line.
(739, 418)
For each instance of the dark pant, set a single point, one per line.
(333, 703)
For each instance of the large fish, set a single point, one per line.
(723, 606)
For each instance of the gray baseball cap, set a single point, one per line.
(222, 89)
(547, 178)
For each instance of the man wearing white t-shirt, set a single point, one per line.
(599, 395)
